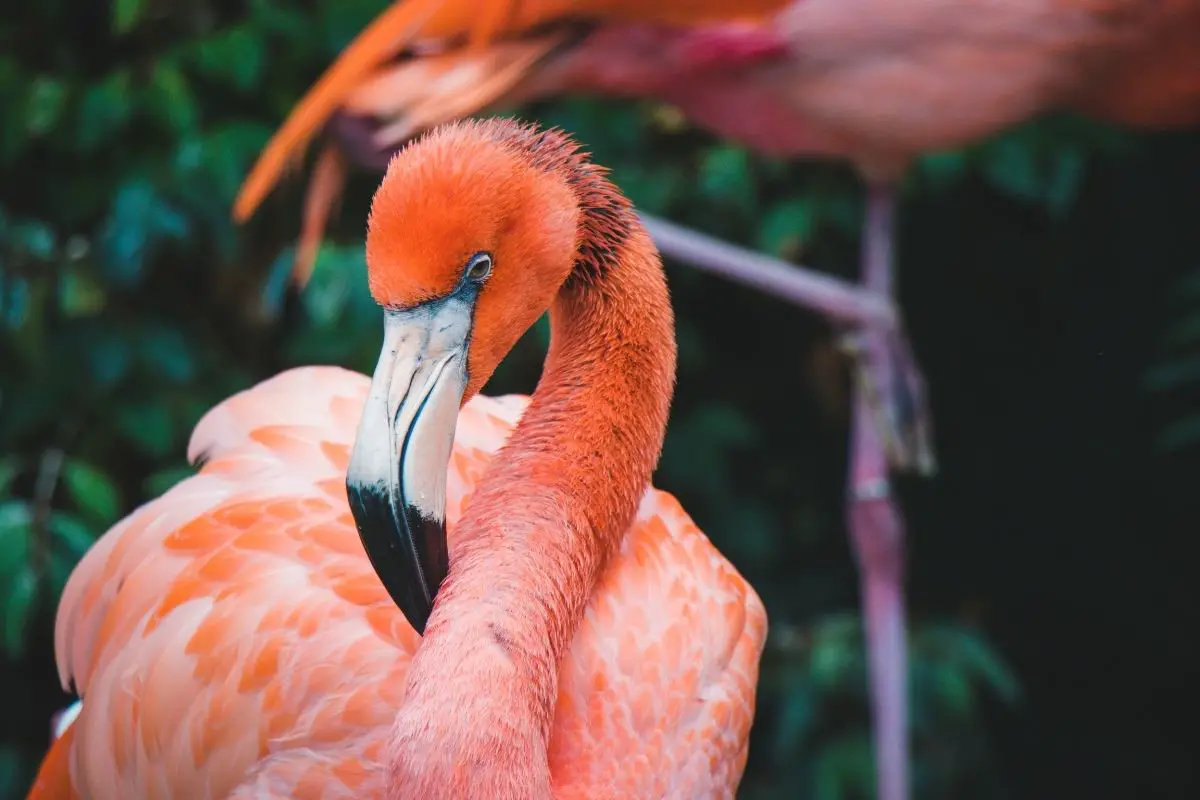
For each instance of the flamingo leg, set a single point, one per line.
(840, 301)
(874, 519)
(891, 428)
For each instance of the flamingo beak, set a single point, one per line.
(396, 480)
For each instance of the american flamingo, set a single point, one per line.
(878, 83)
(232, 639)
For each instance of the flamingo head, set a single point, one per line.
(471, 234)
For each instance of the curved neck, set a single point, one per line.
(557, 499)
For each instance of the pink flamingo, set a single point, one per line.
(232, 639)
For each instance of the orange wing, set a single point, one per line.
(1153, 81)
(448, 21)
(230, 639)
(415, 95)
(53, 780)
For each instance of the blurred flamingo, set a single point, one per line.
(878, 83)
(231, 638)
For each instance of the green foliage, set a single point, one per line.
(1176, 373)
(821, 675)
(1041, 164)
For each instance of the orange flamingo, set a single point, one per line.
(232, 639)
(876, 82)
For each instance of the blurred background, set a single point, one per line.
(1050, 280)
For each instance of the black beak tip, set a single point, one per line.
(417, 616)
(408, 551)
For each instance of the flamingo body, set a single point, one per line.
(230, 638)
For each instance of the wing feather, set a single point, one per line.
(230, 638)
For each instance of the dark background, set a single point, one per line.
(1050, 279)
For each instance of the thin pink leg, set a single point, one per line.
(877, 527)
(840, 301)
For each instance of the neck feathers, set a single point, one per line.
(557, 499)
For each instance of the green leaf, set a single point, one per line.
(953, 689)
(1181, 434)
(278, 280)
(796, 720)
(80, 294)
(93, 492)
(20, 596)
(726, 177)
(973, 656)
(14, 301)
(59, 572)
(836, 654)
(236, 56)
(166, 351)
(845, 769)
(159, 482)
(72, 533)
(14, 770)
(148, 426)
(943, 169)
(45, 106)
(108, 357)
(140, 219)
(33, 238)
(757, 535)
(336, 281)
(125, 14)
(1172, 374)
(170, 99)
(1062, 180)
(15, 531)
(651, 188)
(1048, 174)
(705, 439)
(217, 162)
(105, 109)
(785, 226)
(8, 472)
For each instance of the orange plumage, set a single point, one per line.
(53, 780)
(449, 20)
(230, 638)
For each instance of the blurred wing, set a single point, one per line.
(423, 92)
(405, 22)
(1156, 82)
(411, 96)
(324, 191)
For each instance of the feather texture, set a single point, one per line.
(231, 639)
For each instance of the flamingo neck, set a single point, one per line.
(556, 501)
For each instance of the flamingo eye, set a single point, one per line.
(479, 267)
